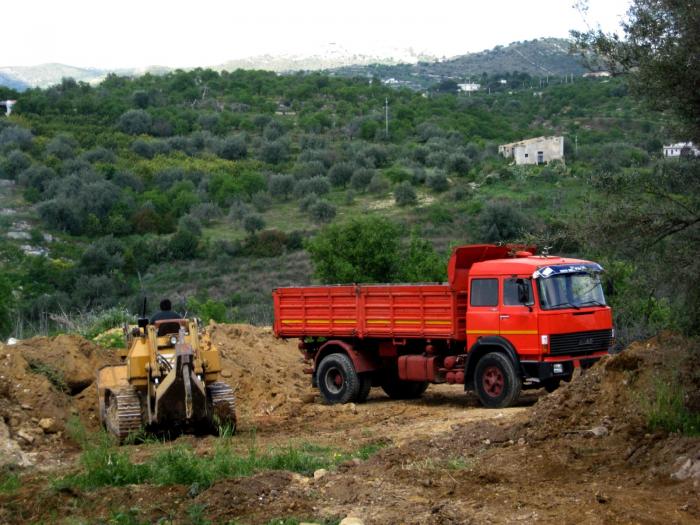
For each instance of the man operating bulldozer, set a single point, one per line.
(169, 381)
(166, 312)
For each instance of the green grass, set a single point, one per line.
(54, 376)
(667, 410)
(9, 482)
(103, 464)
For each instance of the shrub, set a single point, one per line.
(281, 186)
(135, 122)
(99, 154)
(261, 201)
(501, 221)
(361, 178)
(322, 211)
(341, 173)
(15, 163)
(274, 152)
(15, 137)
(378, 184)
(405, 195)
(317, 185)
(364, 250)
(309, 170)
(62, 147)
(437, 182)
(307, 201)
(232, 148)
(253, 223)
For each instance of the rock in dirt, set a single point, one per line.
(689, 469)
(11, 454)
(49, 425)
(598, 431)
(351, 520)
(320, 473)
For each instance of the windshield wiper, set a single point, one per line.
(591, 302)
(565, 304)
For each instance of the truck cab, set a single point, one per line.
(548, 315)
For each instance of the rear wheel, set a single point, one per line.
(337, 379)
(365, 385)
(496, 380)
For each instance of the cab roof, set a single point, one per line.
(492, 259)
(520, 265)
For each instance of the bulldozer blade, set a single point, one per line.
(181, 396)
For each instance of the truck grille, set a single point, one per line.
(580, 342)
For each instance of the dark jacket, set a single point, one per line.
(164, 315)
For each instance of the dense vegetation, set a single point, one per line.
(208, 186)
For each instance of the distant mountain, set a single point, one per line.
(12, 83)
(541, 57)
(330, 56)
(45, 75)
(545, 56)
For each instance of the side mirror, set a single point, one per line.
(609, 287)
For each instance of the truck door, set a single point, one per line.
(482, 312)
(517, 315)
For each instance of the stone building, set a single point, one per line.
(540, 150)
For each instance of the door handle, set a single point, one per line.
(504, 316)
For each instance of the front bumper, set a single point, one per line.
(541, 371)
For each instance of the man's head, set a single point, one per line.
(166, 305)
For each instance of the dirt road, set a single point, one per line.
(581, 455)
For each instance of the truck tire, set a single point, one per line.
(365, 385)
(337, 379)
(395, 388)
(496, 381)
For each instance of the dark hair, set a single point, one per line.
(166, 305)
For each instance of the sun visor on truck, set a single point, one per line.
(551, 271)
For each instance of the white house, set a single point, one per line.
(6, 106)
(681, 149)
(469, 86)
(539, 150)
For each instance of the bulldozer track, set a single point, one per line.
(223, 403)
(124, 413)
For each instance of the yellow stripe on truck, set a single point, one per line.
(502, 332)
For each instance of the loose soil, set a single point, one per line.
(583, 454)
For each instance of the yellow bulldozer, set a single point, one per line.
(168, 381)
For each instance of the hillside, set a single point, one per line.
(542, 58)
(205, 186)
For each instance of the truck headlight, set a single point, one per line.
(173, 340)
(558, 368)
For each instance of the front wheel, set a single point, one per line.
(496, 381)
(337, 379)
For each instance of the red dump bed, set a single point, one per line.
(388, 310)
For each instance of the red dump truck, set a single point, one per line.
(506, 320)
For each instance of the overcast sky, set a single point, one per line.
(176, 33)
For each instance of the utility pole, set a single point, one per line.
(386, 117)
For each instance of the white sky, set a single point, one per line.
(177, 33)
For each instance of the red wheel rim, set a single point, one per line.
(493, 381)
(334, 380)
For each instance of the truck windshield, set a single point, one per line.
(573, 290)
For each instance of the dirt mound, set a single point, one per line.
(43, 381)
(266, 372)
